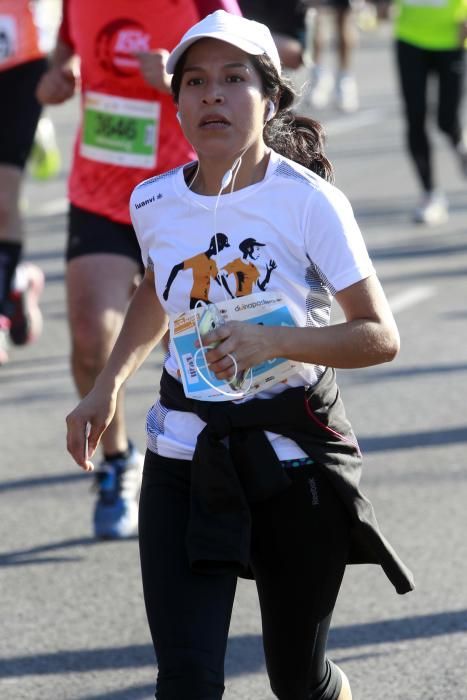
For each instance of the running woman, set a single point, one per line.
(266, 486)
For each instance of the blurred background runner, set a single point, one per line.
(430, 44)
(128, 132)
(337, 84)
(26, 36)
(286, 20)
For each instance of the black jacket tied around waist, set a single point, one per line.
(235, 466)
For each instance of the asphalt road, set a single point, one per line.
(71, 610)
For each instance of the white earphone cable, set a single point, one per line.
(227, 179)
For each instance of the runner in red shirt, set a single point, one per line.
(128, 132)
(23, 46)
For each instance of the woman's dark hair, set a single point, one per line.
(294, 136)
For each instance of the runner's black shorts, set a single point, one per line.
(20, 111)
(281, 17)
(90, 233)
(336, 4)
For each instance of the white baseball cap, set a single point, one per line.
(246, 34)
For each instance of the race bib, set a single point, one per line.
(8, 37)
(268, 309)
(120, 131)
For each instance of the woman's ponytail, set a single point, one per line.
(301, 139)
(296, 137)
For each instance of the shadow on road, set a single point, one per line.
(376, 374)
(423, 438)
(418, 251)
(431, 274)
(141, 692)
(244, 655)
(32, 555)
(42, 481)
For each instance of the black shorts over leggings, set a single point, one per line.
(20, 111)
(299, 550)
(90, 233)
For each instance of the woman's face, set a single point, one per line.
(221, 103)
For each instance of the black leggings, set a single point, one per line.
(415, 65)
(299, 549)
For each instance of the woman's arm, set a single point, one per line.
(144, 325)
(368, 336)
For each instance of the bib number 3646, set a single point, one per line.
(120, 131)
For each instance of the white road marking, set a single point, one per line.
(410, 297)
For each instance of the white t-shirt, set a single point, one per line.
(292, 232)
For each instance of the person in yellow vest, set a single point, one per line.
(430, 41)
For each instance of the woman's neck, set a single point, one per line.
(207, 177)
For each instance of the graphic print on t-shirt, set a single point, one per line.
(204, 269)
(246, 273)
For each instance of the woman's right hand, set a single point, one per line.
(96, 409)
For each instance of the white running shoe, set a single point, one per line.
(347, 93)
(321, 86)
(433, 210)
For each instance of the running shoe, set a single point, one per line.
(26, 317)
(433, 210)
(321, 86)
(118, 483)
(346, 93)
(4, 339)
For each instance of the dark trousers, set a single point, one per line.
(299, 549)
(415, 65)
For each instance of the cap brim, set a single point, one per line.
(234, 40)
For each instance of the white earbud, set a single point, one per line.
(179, 118)
(226, 179)
(271, 110)
(228, 175)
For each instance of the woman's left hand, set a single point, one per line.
(248, 343)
